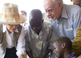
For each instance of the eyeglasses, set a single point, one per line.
(49, 10)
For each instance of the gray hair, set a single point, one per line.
(54, 1)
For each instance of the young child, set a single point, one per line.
(62, 48)
(38, 36)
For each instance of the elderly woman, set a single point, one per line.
(12, 42)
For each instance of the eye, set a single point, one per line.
(49, 10)
(23, 14)
(54, 47)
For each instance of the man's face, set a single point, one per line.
(58, 50)
(23, 14)
(52, 10)
(11, 28)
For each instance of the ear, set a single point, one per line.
(60, 4)
(71, 0)
(63, 45)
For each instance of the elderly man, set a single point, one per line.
(12, 42)
(65, 18)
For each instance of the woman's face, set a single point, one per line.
(11, 28)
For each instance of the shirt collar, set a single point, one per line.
(71, 55)
(64, 13)
(4, 29)
(41, 31)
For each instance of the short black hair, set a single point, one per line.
(35, 14)
(66, 40)
(24, 12)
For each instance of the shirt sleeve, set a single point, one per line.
(21, 43)
(77, 21)
(53, 36)
(27, 41)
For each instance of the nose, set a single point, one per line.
(49, 14)
(14, 26)
(54, 51)
(34, 28)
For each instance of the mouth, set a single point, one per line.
(51, 17)
(13, 29)
(56, 54)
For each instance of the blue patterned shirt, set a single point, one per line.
(71, 56)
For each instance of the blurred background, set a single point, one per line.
(28, 5)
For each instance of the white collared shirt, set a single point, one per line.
(21, 41)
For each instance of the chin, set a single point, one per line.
(57, 55)
(53, 18)
(12, 30)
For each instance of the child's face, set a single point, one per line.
(36, 25)
(58, 50)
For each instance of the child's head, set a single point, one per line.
(36, 20)
(76, 2)
(61, 45)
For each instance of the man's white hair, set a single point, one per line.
(54, 1)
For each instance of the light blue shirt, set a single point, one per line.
(69, 22)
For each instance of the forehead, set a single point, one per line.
(75, 0)
(48, 4)
(56, 44)
(22, 12)
(10, 25)
(35, 22)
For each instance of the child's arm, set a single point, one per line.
(46, 53)
(29, 54)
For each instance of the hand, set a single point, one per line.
(79, 56)
(42, 57)
(21, 56)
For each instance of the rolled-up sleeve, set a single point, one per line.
(21, 43)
